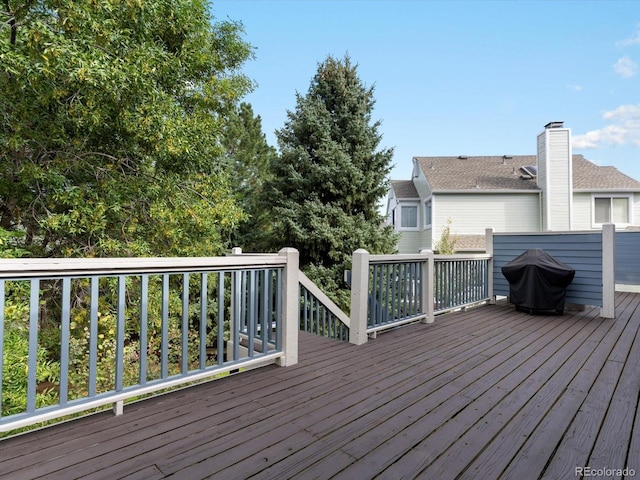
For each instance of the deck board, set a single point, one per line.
(485, 393)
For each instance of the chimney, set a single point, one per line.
(555, 176)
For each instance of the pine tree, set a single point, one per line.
(249, 158)
(329, 178)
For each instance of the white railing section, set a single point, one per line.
(391, 290)
(460, 281)
(126, 327)
(319, 314)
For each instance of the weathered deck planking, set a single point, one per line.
(487, 393)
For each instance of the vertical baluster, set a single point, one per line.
(93, 336)
(325, 332)
(243, 301)
(305, 309)
(164, 344)
(264, 320)
(64, 341)
(120, 333)
(270, 304)
(379, 294)
(372, 321)
(414, 285)
(278, 310)
(310, 309)
(387, 279)
(406, 290)
(33, 344)
(144, 322)
(184, 326)
(485, 279)
(204, 298)
(419, 288)
(251, 310)
(394, 292)
(221, 276)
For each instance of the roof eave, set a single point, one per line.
(606, 190)
(480, 190)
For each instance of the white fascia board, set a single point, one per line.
(481, 191)
(606, 190)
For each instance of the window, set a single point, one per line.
(427, 213)
(611, 210)
(409, 217)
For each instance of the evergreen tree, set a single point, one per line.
(330, 177)
(249, 158)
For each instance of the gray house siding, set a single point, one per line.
(582, 251)
(628, 258)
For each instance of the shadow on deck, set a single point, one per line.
(487, 393)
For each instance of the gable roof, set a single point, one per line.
(491, 173)
(404, 189)
(589, 176)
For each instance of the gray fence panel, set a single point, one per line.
(628, 258)
(582, 251)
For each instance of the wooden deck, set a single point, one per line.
(487, 393)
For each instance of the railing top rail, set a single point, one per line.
(42, 267)
(542, 234)
(399, 258)
(422, 257)
(322, 297)
(469, 256)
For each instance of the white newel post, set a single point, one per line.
(359, 297)
(488, 236)
(608, 271)
(290, 307)
(427, 286)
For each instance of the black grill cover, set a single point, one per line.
(537, 281)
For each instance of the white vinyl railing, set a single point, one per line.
(126, 327)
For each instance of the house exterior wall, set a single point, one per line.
(583, 209)
(471, 214)
(413, 242)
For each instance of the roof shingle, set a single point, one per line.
(404, 189)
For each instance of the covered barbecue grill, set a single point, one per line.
(538, 282)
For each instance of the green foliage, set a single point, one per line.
(15, 359)
(447, 243)
(103, 104)
(329, 178)
(9, 242)
(249, 158)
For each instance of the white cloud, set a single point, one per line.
(624, 129)
(577, 88)
(635, 40)
(625, 67)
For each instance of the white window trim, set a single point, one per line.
(628, 196)
(427, 225)
(399, 216)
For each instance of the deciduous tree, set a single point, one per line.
(110, 119)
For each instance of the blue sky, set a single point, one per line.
(460, 77)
